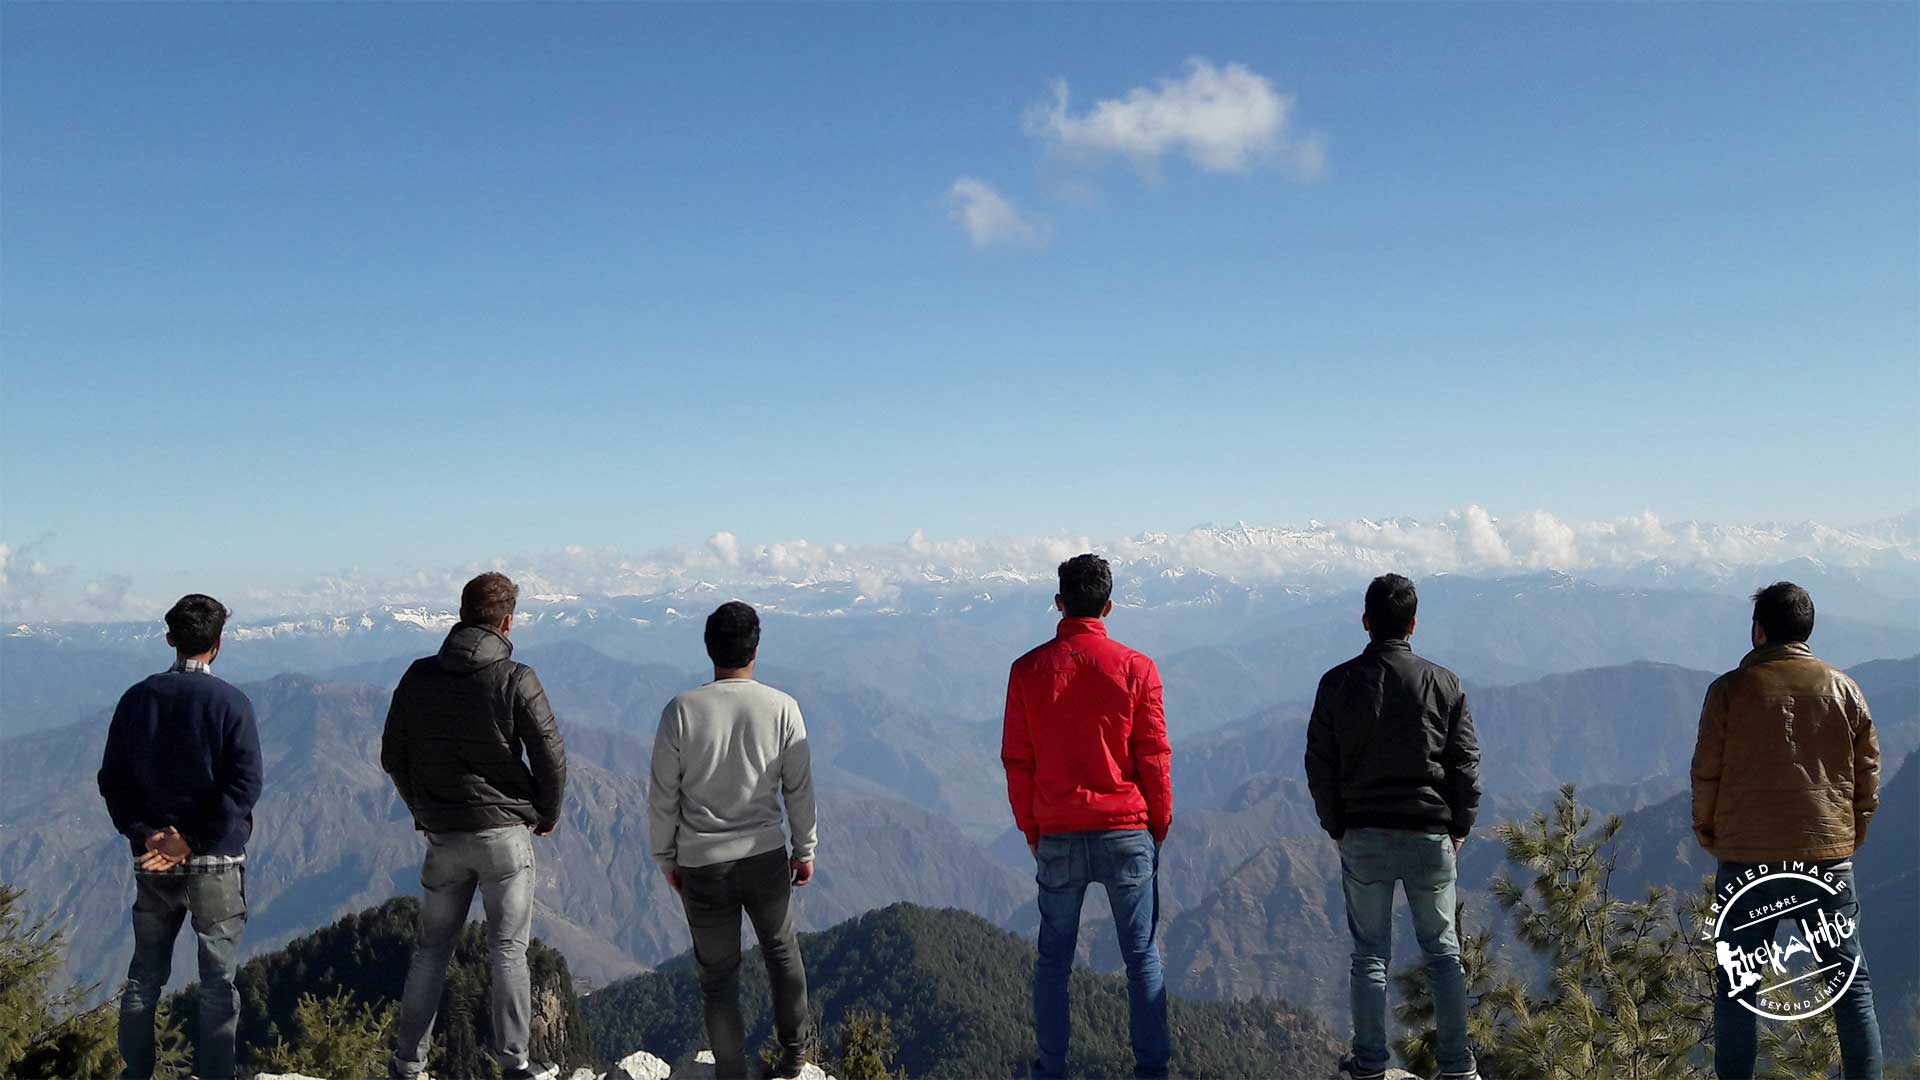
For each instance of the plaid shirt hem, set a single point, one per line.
(197, 864)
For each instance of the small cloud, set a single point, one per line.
(1226, 119)
(726, 547)
(990, 218)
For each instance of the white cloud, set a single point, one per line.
(1471, 540)
(990, 218)
(1226, 119)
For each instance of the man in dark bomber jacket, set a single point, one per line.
(1394, 769)
(180, 776)
(458, 725)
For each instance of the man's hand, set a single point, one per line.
(166, 849)
(802, 872)
(1457, 841)
(547, 829)
(673, 879)
(1035, 848)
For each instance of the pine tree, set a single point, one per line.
(46, 1032)
(1629, 993)
(333, 1036)
(864, 1048)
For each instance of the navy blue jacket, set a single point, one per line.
(183, 751)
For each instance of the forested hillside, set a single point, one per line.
(956, 989)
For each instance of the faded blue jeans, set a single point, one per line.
(218, 902)
(499, 864)
(1371, 861)
(1127, 864)
(1735, 1042)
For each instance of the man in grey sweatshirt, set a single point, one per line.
(726, 757)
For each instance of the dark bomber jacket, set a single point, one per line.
(1391, 745)
(455, 733)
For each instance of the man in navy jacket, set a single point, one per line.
(180, 776)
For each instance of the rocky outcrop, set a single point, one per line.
(699, 1066)
(640, 1065)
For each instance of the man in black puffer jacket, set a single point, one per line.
(1395, 773)
(459, 722)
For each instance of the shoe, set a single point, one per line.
(1350, 1069)
(1471, 1074)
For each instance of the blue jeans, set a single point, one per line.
(1128, 865)
(499, 864)
(1735, 1044)
(1371, 861)
(218, 903)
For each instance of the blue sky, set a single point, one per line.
(289, 289)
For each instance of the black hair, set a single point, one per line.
(1086, 584)
(1392, 602)
(733, 635)
(195, 621)
(1785, 613)
(488, 599)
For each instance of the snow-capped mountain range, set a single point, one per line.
(1871, 571)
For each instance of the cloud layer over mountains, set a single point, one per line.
(1467, 541)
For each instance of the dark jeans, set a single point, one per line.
(498, 864)
(1371, 862)
(218, 904)
(715, 896)
(1735, 1028)
(1127, 865)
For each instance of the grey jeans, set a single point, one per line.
(499, 864)
(715, 897)
(218, 902)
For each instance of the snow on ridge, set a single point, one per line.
(811, 578)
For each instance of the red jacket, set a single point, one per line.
(1085, 742)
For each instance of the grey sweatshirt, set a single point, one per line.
(725, 756)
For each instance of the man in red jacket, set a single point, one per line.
(1085, 748)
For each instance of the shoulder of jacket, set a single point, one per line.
(234, 695)
(1031, 656)
(1445, 676)
(780, 697)
(1726, 682)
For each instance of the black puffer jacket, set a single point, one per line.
(1391, 745)
(455, 733)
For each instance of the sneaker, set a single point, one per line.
(1351, 1069)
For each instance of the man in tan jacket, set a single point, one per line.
(1786, 776)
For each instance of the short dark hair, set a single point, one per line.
(1086, 584)
(1392, 602)
(733, 635)
(195, 621)
(1785, 613)
(488, 599)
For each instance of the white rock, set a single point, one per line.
(589, 1074)
(640, 1066)
(545, 1072)
(283, 1076)
(695, 1066)
(699, 1066)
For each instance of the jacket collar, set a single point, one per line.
(1398, 644)
(470, 647)
(1072, 627)
(1796, 649)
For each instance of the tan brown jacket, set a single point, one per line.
(1786, 765)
